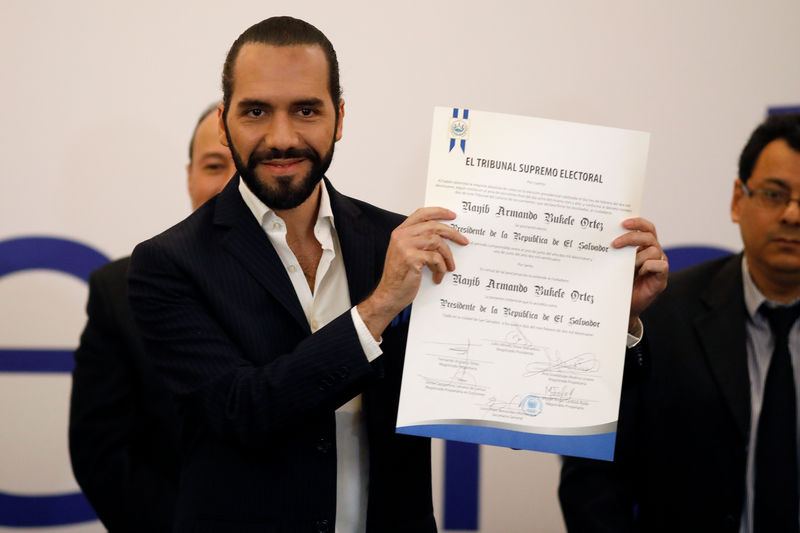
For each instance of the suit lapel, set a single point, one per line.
(721, 329)
(357, 242)
(245, 240)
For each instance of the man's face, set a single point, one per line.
(211, 166)
(771, 236)
(281, 126)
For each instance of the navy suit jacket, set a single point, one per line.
(123, 435)
(680, 461)
(256, 391)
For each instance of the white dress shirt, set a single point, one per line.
(330, 298)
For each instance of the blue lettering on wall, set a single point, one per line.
(44, 253)
(461, 485)
(79, 260)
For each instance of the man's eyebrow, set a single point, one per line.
(310, 102)
(213, 155)
(777, 182)
(302, 102)
(252, 102)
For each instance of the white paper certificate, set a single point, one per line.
(524, 344)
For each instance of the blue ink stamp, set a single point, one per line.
(531, 405)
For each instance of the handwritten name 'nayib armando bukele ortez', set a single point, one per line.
(527, 237)
(546, 217)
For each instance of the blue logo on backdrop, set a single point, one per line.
(781, 110)
(79, 260)
(681, 257)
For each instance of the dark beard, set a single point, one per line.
(283, 195)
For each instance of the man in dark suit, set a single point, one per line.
(691, 434)
(271, 312)
(123, 431)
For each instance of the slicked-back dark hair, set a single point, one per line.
(207, 111)
(282, 31)
(783, 126)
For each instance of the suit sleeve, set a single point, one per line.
(600, 496)
(126, 492)
(220, 388)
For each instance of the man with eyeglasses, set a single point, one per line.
(707, 437)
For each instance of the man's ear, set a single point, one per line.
(223, 139)
(341, 119)
(736, 201)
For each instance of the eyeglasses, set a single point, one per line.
(770, 197)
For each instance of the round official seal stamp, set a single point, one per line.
(459, 128)
(531, 405)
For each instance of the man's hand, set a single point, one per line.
(418, 242)
(650, 276)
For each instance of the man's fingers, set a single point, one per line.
(636, 238)
(436, 263)
(647, 254)
(433, 251)
(433, 227)
(421, 240)
(654, 266)
(436, 244)
(451, 233)
(639, 224)
(426, 220)
(437, 228)
(428, 213)
(643, 233)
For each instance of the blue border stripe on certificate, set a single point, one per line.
(599, 446)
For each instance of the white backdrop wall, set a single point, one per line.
(100, 98)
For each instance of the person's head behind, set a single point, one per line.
(766, 205)
(784, 126)
(281, 31)
(210, 163)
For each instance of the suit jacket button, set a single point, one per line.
(323, 445)
(323, 526)
(325, 383)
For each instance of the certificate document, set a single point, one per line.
(523, 345)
